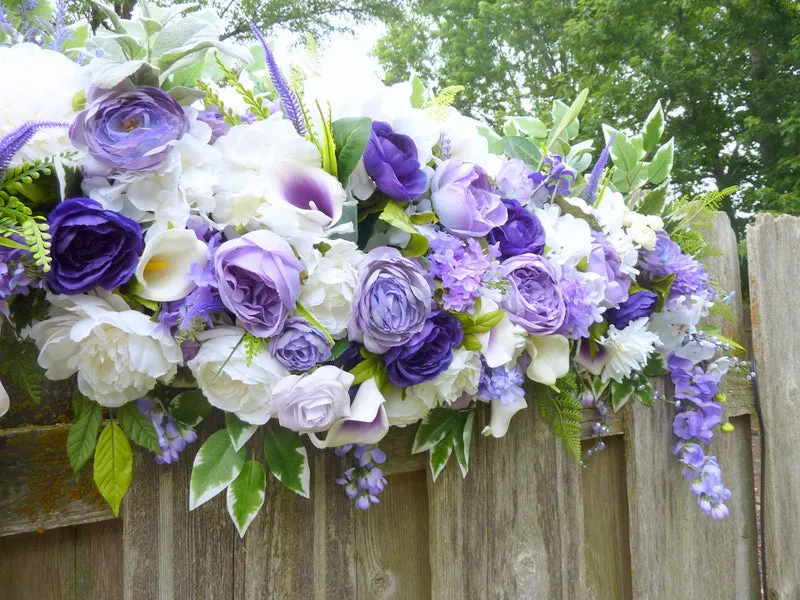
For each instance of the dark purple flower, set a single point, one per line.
(91, 247)
(638, 305)
(604, 261)
(128, 129)
(522, 233)
(300, 346)
(534, 300)
(426, 354)
(392, 161)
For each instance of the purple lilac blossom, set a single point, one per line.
(60, 31)
(13, 142)
(501, 383)
(16, 275)
(91, 247)
(391, 301)
(514, 181)
(639, 304)
(172, 436)
(259, 280)
(463, 266)
(444, 146)
(590, 191)
(300, 346)
(534, 299)
(522, 233)
(582, 302)
(128, 128)
(365, 481)
(666, 259)
(604, 261)
(427, 354)
(464, 200)
(557, 179)
(392, 161)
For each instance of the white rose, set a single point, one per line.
(238, 388)
(404, 411)
(461, 377)
(118, 353)
(328, 289)
(313, 401)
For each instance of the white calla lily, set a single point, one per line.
(5, 401)
(501, 417)
(366, 424)
(549, 358)
(165, 263)
(503, 343)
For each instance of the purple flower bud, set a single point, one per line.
(392, 161)
(300, 346)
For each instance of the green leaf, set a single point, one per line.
(655, 367)
(621, 393)
(350, 136)
(246, 495)
(436, 425)
(82, 436)
(569, 116)
(661, 165)
(558, 111)
(19, 363)
(397, 217)
(516, 146)
(215, 467)
(653, 203)
(339, 348)
(367, 369)
(238, 430)
(190, 408)
(113, 465)
(462, 442)
(662, 288)
(440, 454)
(288, 460)
(417, 92)
(328, 146)
(645, 394)
(485, 322)
(563, 411)
(138, 427)
(624, 153)
(653, 128)
(527, 126)
(306, 314)
(471, 342)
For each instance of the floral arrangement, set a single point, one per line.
(185, 230)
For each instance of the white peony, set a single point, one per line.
(628, 349)
(328, 289)
(39, 85)
(569, 239)
(118, 353)
(228, 382)
(461, 377)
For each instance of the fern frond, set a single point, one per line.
(212, 99)
(563, 411)
(439, 107)
(33, 229)
(255, 102)
(253, 346)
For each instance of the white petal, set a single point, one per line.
(549, 358)
(367, 423)
(164, 267)
(501, 417)
(4, 400)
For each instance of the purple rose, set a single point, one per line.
(391, 301)
(392, 161)
(465, 201)
(128, 128)
(522, 233)
(91, 247)
(534, 300)
(259, 280)
(300, 345)
(604, 261)
(426, 354)
(638, 305)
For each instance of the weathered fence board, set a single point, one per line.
(773, 245)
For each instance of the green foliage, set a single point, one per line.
(138, 427)
(19, 365)
(238, 430)
(190, 408)
(350, 136)
(113, 465)
(213, 99)
(441, 432)
(396, 216)
(288, 460)
(82, 437)
(689, 219)
(216, 465)
(254, 101)
(253, 346)
(246, 495)
(561, 408)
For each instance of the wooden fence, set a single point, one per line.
(527, 522)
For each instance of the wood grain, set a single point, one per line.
(772, 245)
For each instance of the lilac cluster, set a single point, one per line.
(365, 481)
(666, 259)
(462, 266)
(502, 383)
(582, 303)
(556, 178)
(699, 412)
(172, 436)
(16, 275)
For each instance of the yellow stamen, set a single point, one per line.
(155, 265)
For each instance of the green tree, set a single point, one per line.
(726, 72)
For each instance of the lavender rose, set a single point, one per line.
(522, 233)
(465, 201)
(300, 345)
(392, 161)
(638, 305)
(426, 354)
(91, 247)
(259, 279)
(534, 300)
(314, 401)
(391, 301)
(128, 128)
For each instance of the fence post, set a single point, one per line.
(773, 244)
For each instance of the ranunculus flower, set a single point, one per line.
(300, 345)
(118, 353)
(639, 304)
(259, 279)
(232, 383)
(392, 300)
(128, 129)
(314, 401)
(426, 354)
(391, 160)
(163, 270)
(91, 247)
(465, 201)
(522, 233)
(534, 300)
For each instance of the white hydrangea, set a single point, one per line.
(569, 239)
(628, 349)
(118, 353)
(461, 377)
(39, 85)
(328, 290)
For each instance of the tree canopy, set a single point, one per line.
(727, 73)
